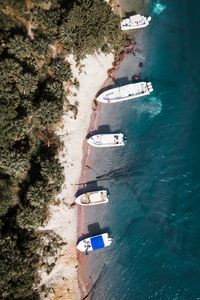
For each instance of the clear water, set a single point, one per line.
(154, 182)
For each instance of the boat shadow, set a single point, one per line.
(90, 186)
(129, 14)
(102, 129)
(93, 229)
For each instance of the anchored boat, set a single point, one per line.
(93, 198)
(107, 140)
(94, 243)
(126, 92)
(135, 22)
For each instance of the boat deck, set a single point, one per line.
(107, 139)
(126, 91)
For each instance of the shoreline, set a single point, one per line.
(66, 280)
(62, 281)
(85, 282)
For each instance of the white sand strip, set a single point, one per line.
(62, 280)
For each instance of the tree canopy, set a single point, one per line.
(35, 37)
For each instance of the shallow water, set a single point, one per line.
(154, 182)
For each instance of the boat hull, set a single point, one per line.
(107, 140)
(134, 27)
(93, 243)
(95, 198)
(134, 90)
(135, 22)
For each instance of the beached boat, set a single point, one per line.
(135, 22)
(126, 92)
(107, 140)
(93, 198)
(94, 243)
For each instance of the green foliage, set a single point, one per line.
(7, 197)
(91, 25)
(60, 70)
(35, 37)
(17, 266)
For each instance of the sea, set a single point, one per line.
(153, 214)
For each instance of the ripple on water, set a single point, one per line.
(158, 7)
(151, 106)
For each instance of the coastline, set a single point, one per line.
(62, 281)
(86, 284)
(66, 281)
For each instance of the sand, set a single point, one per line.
(62, 282)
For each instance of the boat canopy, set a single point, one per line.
(97, 242)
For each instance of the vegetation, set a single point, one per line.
(35, 36)
(90, 25)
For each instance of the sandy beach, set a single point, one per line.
(87, 282)
(66, 281)
(62, 281)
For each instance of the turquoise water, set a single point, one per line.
(154, 182)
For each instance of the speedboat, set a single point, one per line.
(126, 92)
(107, 140)
(93, 198)
(94, 243)
(135, 22)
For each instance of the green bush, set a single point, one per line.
(35, 37)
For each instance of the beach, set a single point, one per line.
(70, 278)
(62, 281)
(96, 163)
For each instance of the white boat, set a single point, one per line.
(93, 198)
(126, 92)
(107, 140)
(94, 243)
(135, 22)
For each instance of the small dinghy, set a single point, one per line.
(135, 22)
(92, 198)
(107, 140)
(94, 243)
(126, 92)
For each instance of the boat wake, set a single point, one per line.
(151, 107)
(158, 7)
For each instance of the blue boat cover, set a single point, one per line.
(97, 242)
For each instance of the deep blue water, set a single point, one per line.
(154, 182)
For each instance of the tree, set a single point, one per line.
(91, 25)
(35, 37)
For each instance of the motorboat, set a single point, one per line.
(126, 92)
(135, 22)
(92, 198)
(94, 243)
(107, 140)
